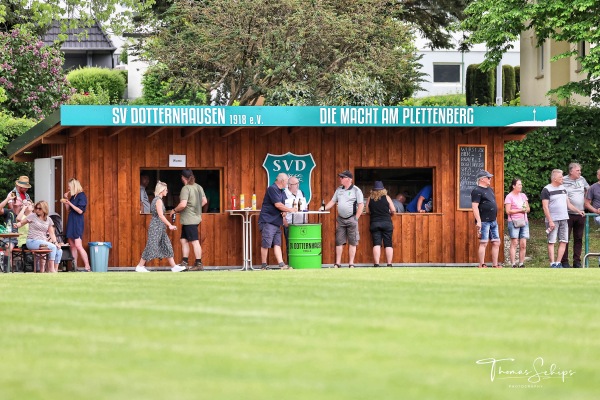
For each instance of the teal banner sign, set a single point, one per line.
(299, 165)
(306, 116)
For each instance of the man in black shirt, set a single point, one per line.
(485, 210)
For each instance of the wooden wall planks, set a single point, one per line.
(108, 168)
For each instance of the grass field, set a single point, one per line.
(401, 333)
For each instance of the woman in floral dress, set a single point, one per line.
(158, 244)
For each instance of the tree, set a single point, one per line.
(239, 51)
(10, 129)
(433, 18)
(37, 15)
(498, 23)
(31, 75)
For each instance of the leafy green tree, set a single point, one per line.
(240, 51)
(31, 75)
(158, 88)
(37, 15)
(498, 23)
(11, 128)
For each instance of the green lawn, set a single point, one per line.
(401, 333)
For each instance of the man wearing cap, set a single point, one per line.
(350, 204)
(485, 211)
(556, 204)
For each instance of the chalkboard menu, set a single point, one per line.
(471, 160)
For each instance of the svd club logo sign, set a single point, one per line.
(300, 166)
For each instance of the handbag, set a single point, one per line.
(519, 223)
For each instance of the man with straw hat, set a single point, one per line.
(20, 191)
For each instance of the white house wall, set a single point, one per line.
(454, 57)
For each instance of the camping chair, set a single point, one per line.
(60, 237)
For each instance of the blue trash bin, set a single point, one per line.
(99, 252)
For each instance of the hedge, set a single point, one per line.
(576, 138)
(93, 78)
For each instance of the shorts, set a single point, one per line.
(382, 231)
(560, 231)
(518, 233)
(271, 235)
(346, 231)
(489, 231)
(189, 232)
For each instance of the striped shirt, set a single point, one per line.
(38, 228)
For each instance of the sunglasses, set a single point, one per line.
(38, 208)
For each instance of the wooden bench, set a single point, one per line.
(19, 254)
(39, 256)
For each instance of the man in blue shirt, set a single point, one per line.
(270, 220)
(422, 202)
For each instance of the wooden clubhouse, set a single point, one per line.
(230, 150)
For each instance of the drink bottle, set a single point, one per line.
(233, 202)
(254, 201)
(242, 202)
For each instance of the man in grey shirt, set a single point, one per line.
(144, 201)
(350, 204)
(576, 187)
(399, 202)
(592, 198)
(556, 204)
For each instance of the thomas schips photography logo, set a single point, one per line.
(524, 374)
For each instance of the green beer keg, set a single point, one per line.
(305, 250)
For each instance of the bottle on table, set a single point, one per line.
(173, 217)
(233, 202)
(242, 202)
(322, 205)
(254, 201)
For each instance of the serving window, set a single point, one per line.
(210, 179)
(407, 181)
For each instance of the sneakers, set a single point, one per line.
(140, 268)
(556, 265)
(178, 268)
(183, 264)
(521, 265)
(197, 267)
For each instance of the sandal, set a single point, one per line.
(264, 267)
(283, 266)
(389, 265)
(482, 266)
(337, 266)
(375, 265)
(351, 266)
